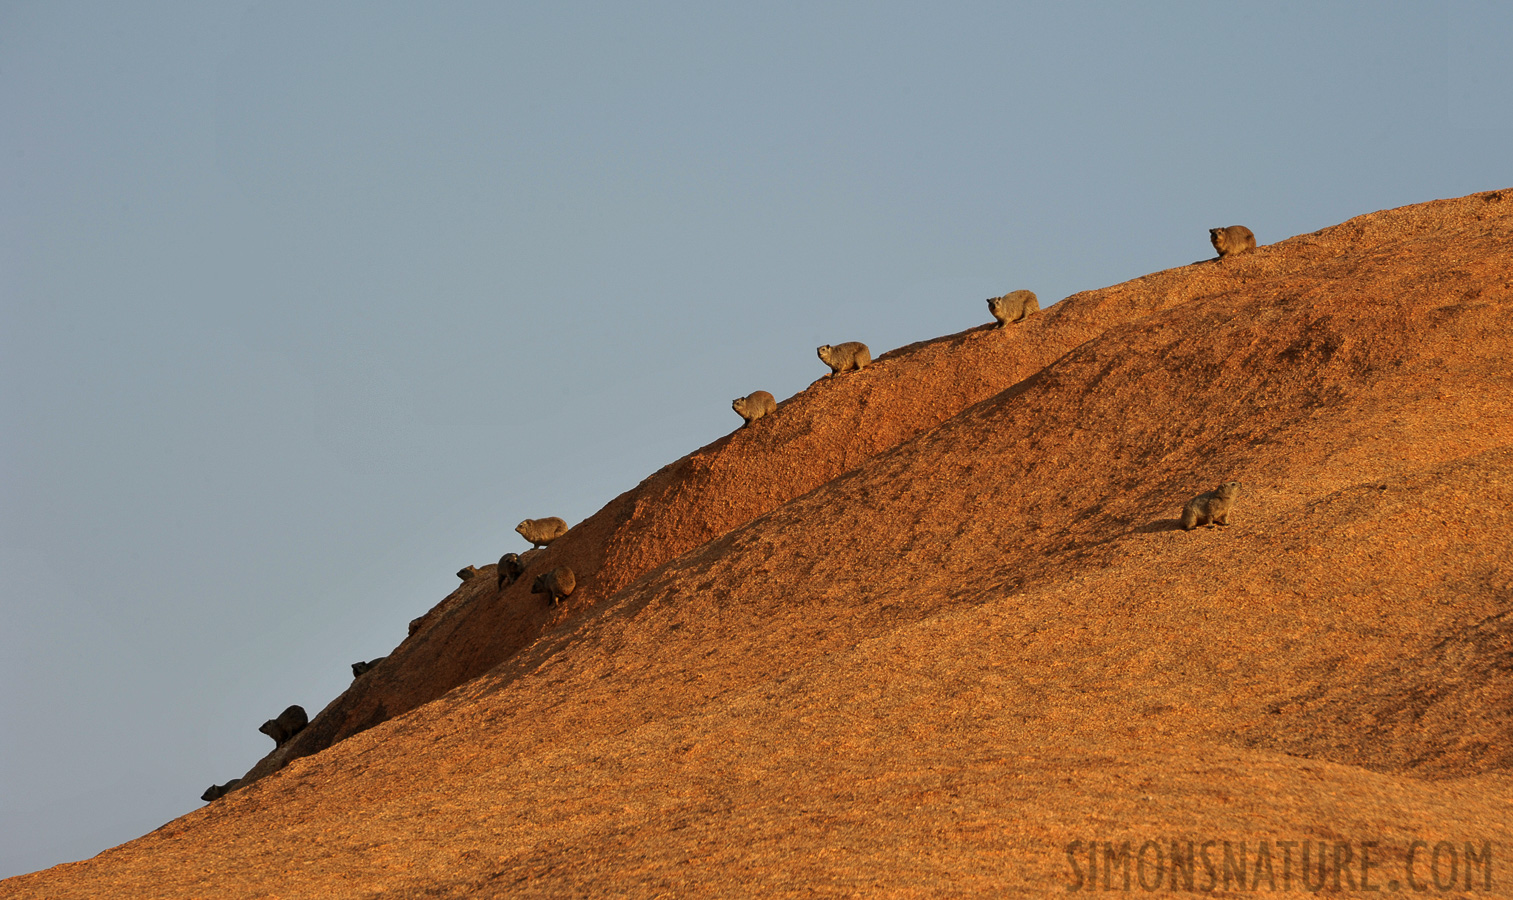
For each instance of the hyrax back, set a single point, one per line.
(217, 791)
(363, 668)
(541, 532)
(845, 357)
(510, 569)
(1211, 507)
(1015, 306)
(559, 582)
(753, 406)
(1231, 240)
(289, 723)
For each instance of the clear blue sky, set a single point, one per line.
(304, 305)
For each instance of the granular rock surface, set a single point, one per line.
(931, 629)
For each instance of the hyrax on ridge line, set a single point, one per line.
(362, 668)
(510, 569)
(1015, 306)
(466, 573)
(289, 723)
(753, 406)
(559, 582)
(1210, 507)
(845, 357)
(217, 791)
(541, 532)
(1231, 240)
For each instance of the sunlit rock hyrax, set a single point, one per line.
(289, 723)
(1015, 306)
(510, 569)
(217, 791)
(845, 357)
(466, 573)
(1232, 240)
(753, 406)
(541, 532)
(559, 582)
(1210, 507)
(363, 668)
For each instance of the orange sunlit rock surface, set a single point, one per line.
(930, 623)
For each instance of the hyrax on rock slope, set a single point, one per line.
(1232, 240)
(753, 406)
(217, 791)
(852, 355)
(1015, 306)
(466, 573)
(559, 582)
(541, 532)
(363, 668)
(510, 569)
(1210, 507)
(289, 723)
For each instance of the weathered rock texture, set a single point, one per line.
(931, 626)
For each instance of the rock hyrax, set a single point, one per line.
(753, 406)
(362, 668)
(559, 582)
(845, 357)
(1210, 507)
(1232, 240)
(467, 572)
(289, 723)
(541, 532)
(217, 791)
(510, 569)
(1015, 306)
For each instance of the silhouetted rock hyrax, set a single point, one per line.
(1015, 306)
(1210, 507)
(1232, 240)
(845, 357)
(466, 573)
(753, 406)
(510, 569)
(559, 582)
(541, 532)
(362, 668)
(289, 723)
(217, 791)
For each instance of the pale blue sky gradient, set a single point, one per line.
(304, 305)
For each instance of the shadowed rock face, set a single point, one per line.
(930, 626)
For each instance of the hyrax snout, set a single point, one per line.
(1231, 240)
(289, 723)
(217, 791)
(510, 569)
(363, 668)
(753, 406)
(541, 532)
(852, 355)
(1211, 507)
(559, 582)
(1015, 306)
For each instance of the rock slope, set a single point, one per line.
(932, 629)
